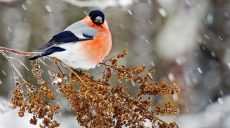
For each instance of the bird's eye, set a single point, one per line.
(98, 20)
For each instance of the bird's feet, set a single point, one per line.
(78, 71)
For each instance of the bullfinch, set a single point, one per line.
(81, 45)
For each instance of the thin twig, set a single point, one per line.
(15, 51)
(111, 66)
(19, 61)
(15, 70)
(93, 80)
(48, 66)
(160, 120)
(60, 71)
(71, 70)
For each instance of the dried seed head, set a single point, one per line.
(107, 102)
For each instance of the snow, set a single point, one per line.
(130, 12)
(149, 1)
(133, 83)
(7, 114)
(4, 105)
(23, 122)
(57, 80)
(220, 101)
(162, 12)
(103, 3)
(175, 97)
(215, 115)
(162, 33)
(8, 1)
(48, 8)
(188, 2)
(199, 70)
(152, 63)
(24, 7)
(180, 60)
(210, 19)
(178, 36)
(228, 65)
(147, 41)
(220, 38)
(171, 77)
(206, 36)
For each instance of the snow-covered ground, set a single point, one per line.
(215, 115)
(9, 118)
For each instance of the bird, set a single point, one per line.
(82, 45)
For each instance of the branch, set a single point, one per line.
(14, 69)
(10, 50)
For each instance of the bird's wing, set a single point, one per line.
(81, 30)
(74, 33)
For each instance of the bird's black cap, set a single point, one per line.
(97, 17)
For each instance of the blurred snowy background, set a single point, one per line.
(188, 41)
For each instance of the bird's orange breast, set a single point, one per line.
(101, 44)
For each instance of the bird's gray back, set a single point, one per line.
(79, 28)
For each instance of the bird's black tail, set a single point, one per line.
(35, 57)
(47, 52)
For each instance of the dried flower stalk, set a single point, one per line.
(105, 102)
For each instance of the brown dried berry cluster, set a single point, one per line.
(106, 102)
(36, 100)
